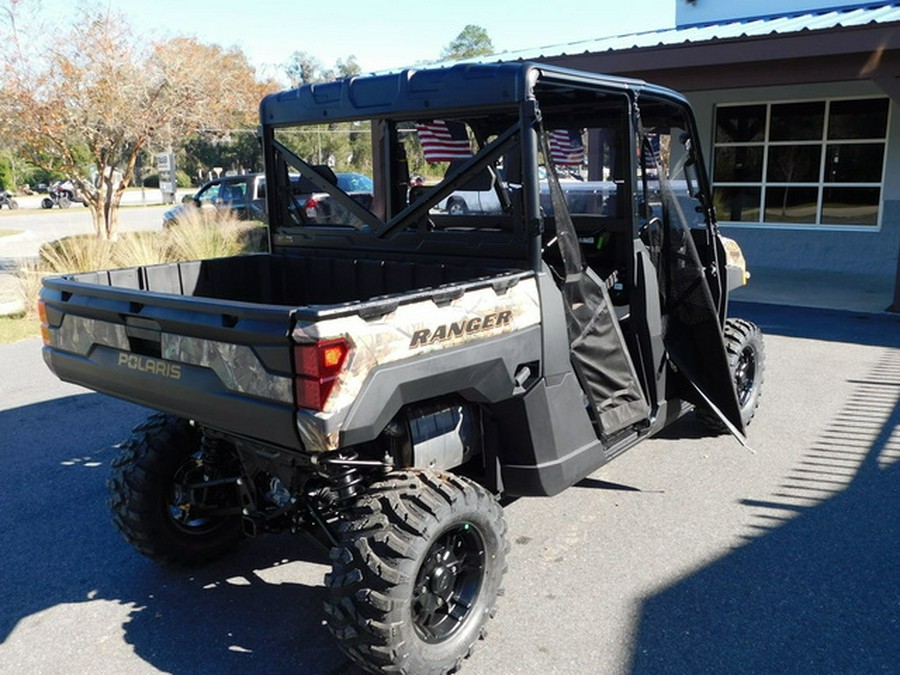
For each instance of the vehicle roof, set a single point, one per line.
(423, 93)
(242, 177)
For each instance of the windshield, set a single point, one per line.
(209, 194)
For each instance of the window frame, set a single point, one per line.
(821, 185)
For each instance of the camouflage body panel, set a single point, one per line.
(78, 335)
(410, 331)
(237, 366)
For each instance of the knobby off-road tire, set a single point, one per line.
(150, 506)
(747, 363)
(417, 573)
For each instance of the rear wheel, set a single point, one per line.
(416, 573)
(13, 204)
(747, 362)
(46, 203)
(158, 496)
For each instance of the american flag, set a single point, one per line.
(566, 148)
(444, 141)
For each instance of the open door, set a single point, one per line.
(680, 235)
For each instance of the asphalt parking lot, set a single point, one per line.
(688, 554)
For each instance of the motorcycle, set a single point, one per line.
(7, 200)
(60, 193)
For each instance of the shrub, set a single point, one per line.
(78, 253)
(199, 234)
(134, 249)
(28, 277)
(6, 175)
(183, 179)
(205, 233)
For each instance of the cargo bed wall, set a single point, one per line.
(209, 340)
(277, 279)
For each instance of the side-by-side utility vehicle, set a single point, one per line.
(379, 381)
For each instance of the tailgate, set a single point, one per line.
(225, 364)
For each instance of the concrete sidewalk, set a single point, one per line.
(868, 294)
(10, 296)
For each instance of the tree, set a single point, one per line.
(86, 98)
(347, 68)
(343, 146)
(472, 41)
(238, 151)
(304, 68)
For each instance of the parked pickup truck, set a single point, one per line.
(381, 379)
(243, 194)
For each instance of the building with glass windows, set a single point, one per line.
(797, 102)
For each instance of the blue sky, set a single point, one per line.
(384, 34)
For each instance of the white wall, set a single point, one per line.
(705, 11)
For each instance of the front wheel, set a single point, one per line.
(457, 207)
(13, 204)
(159, 498)
(47, 203)
(416, 573)
(747, 363)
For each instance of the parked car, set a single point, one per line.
(318, 207)
(244, 194)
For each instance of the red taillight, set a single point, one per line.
(317, 366)
(312, 208)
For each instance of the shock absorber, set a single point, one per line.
(341, 469)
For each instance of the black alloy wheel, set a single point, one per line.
(448, 583)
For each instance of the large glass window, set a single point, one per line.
(805, 163)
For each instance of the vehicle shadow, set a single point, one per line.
(816, 586)
(259, 610)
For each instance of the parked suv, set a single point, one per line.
(245, 195)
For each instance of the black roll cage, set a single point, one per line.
(489, 92)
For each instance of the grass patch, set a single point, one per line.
(18, 327)
(9, 233)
